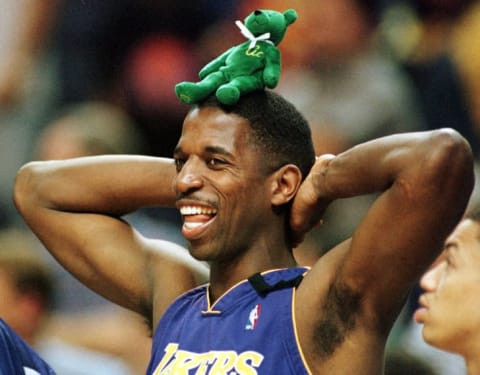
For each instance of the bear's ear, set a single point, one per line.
(290, 16)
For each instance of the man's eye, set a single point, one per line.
(215, 162)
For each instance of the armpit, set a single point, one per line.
(337, 318)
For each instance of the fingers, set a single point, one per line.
(324, 158)
(307, 209)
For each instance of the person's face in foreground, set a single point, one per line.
(221, 191)
(450, 306)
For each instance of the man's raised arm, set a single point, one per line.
(75, 206)
(114, 184)
(424, 181)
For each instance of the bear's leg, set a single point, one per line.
(191, 92)
(229, 93)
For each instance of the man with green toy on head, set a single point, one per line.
(246, 180)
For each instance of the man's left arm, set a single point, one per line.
(424, 181)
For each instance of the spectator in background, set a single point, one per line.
(26, 290)
(450, 303)
(26, 285)
(437, 44)
(89, 128)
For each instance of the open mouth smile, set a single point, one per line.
(196, 219)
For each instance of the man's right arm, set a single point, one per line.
(75, 206)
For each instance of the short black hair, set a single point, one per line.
(279, 129)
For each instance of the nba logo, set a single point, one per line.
(253, 318)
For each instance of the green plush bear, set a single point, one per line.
(252, 65)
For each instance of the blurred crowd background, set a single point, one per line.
(88, 77)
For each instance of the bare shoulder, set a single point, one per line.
(172, 272)
(166, 254)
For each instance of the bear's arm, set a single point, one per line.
(215, 64)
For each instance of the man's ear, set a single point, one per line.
(285, 183)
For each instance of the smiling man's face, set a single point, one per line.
(221, 191)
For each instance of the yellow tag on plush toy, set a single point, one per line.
(252, 65)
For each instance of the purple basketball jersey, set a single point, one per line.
(246, 331)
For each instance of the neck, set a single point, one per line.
(225, 274)
(470, 350)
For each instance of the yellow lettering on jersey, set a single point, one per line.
(205, 360)
(169, 353)
(247, 362)
(180, 362)
(224, 362)
(184, 362)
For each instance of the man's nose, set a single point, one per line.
(430, 279)
(189, 177)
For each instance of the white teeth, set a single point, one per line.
(195, 210)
